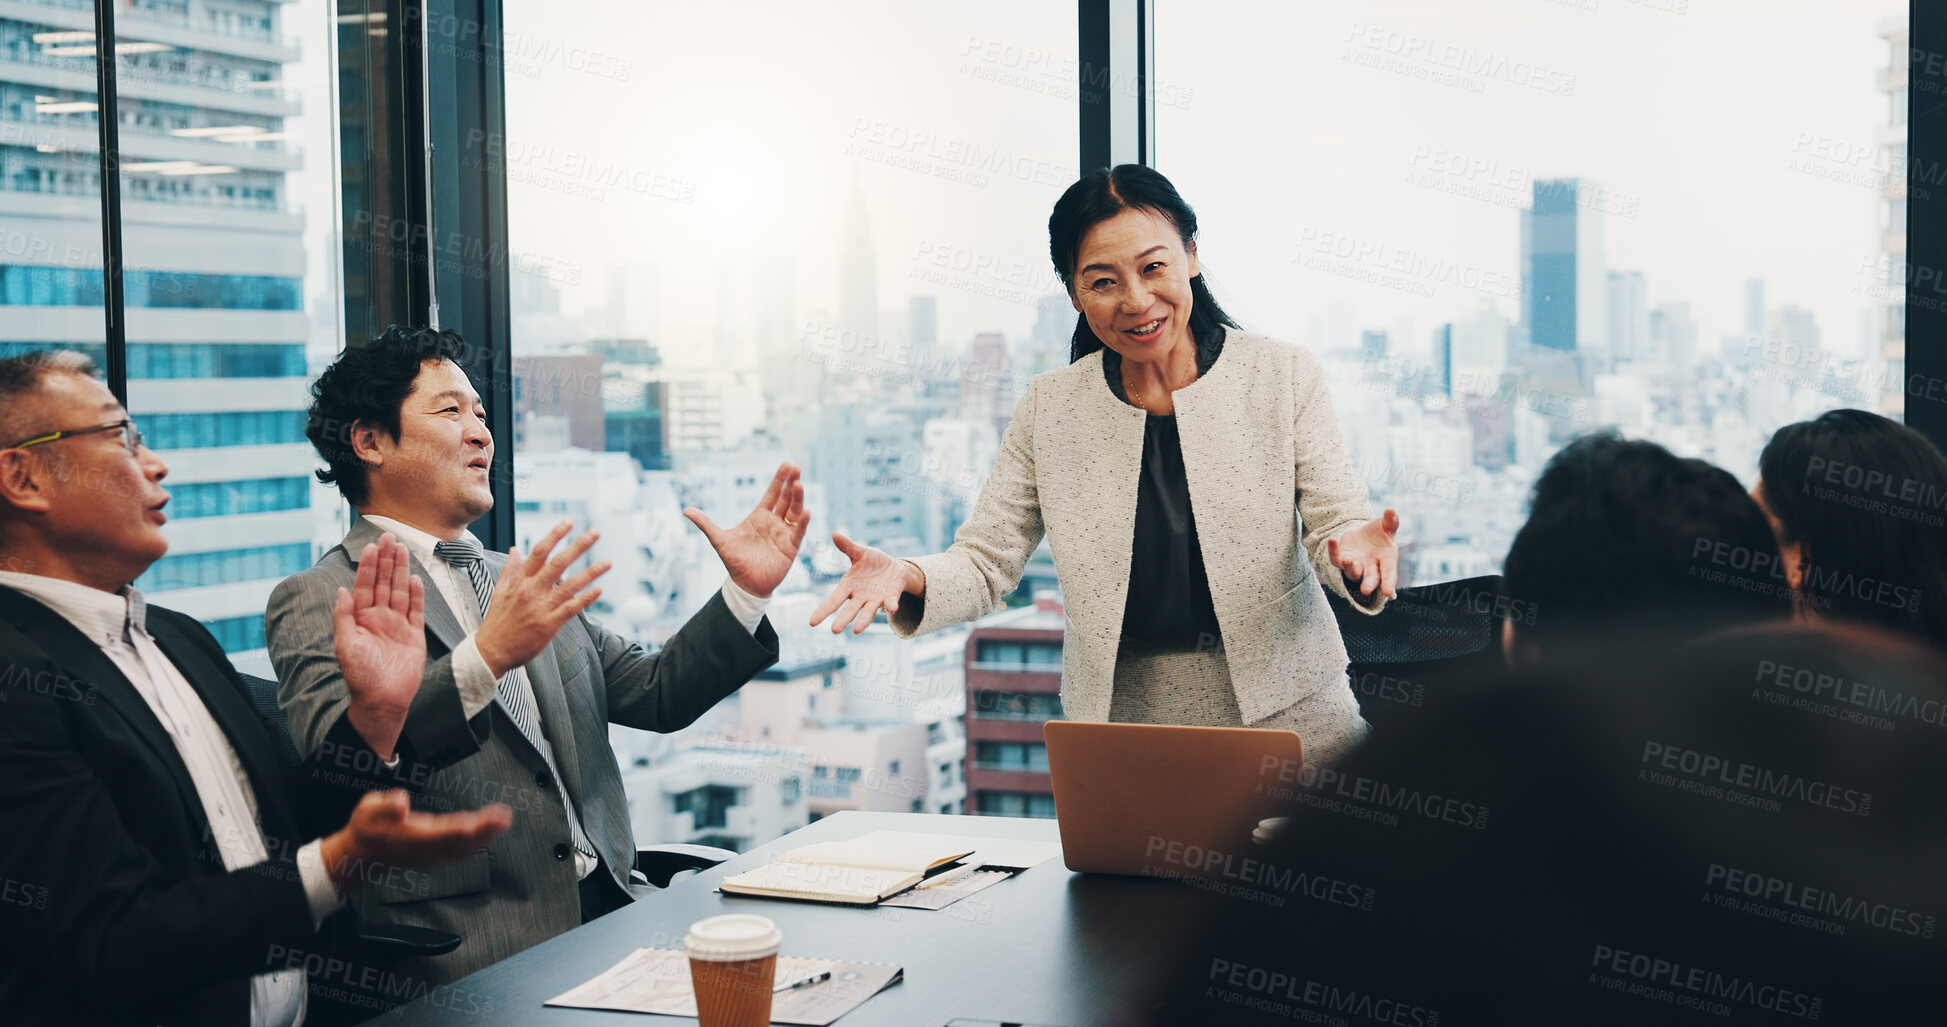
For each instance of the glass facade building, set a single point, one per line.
(214, 270)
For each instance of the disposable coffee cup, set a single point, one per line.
(733, 967)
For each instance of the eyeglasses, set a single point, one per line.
(131, 435)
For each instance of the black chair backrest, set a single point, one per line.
(1428, 639)
(263, 699)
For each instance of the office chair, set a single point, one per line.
(1429, 639)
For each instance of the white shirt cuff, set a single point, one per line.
(747, 608)
(472, 678)
(324, 898)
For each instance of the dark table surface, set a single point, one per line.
(1048, 947)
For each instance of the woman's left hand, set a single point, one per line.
(1368, 555)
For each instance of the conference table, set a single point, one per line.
(1047, 947)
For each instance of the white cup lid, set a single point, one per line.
(734, 936)
(1271, 829)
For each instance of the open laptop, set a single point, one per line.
(1165, 801)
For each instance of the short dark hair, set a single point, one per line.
(370, 383)
(1623, 535)
(21, 376)
(1102, 195)
(1867, 496)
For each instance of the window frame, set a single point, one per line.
(421, 170)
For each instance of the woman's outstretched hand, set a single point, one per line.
(876, 580)
(1368, 555)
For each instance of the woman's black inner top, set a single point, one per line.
(1169, 594)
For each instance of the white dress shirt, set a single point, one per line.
(471, 677)
(117, 622)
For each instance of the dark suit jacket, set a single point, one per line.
(115, 906)
(1746, 829)
(522, 890)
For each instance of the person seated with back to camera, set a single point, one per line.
(1625, 538)
(1859, 504)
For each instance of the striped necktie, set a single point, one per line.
(466, 554)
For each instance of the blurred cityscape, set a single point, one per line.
(624, 416)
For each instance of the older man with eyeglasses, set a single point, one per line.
(153, 866)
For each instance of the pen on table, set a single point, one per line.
(807, 982)
(950, 876)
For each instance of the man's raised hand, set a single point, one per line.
(379, 636)
(759, 550)
(531, 602)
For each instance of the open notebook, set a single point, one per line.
(853, 873)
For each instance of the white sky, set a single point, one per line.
(1695, 114)
(1694, 117)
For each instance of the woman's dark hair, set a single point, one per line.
(1101, 196)
(1867, 497)
(369, 383)
(1626, 536)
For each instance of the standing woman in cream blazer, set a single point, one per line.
(1164, 464)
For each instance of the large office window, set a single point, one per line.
(231, 290)
(777, 257)
(1504, 223)
(50, 184)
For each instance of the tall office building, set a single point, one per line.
(1563, 281)
(214, 278)
(869, 460)
(1673, 335)
(1480, 350)
(858, 269)
(1796, 332)
(1372, 346)
(1754, 308)
(1629, 313)
(923, 321)
(1442, 360)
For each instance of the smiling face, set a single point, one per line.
(434, 475)
(89, 504)
(1132, 284)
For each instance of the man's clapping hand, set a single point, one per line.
(385, 831)
(379, 635)
(531, 602)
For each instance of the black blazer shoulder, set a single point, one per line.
(130, 915)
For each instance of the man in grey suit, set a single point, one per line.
(518, 688)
